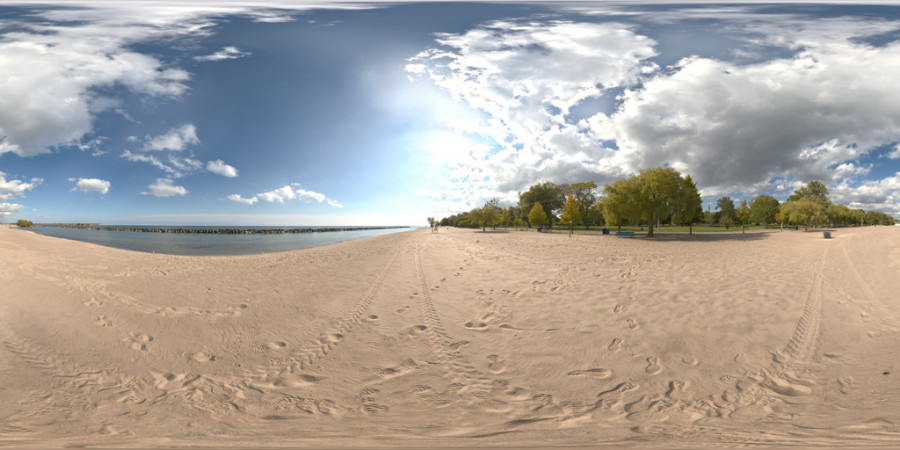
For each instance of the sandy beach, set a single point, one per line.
(457, 339)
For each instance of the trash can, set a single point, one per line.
(827, 234)
(606, 231)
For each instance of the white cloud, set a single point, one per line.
(335, 204)
(6, 209)
(309, 196)
(734, 127)
(16, 188)
(873, 195)
(239, 199)
(220, 168)
(101, 187)
(138, 157)
(164, 188)
(278, 195)
(894, 154)
(225, 53)
(53, 70)
(281, 195)
(176, 139)
(527, 77)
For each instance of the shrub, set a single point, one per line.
(24, 223)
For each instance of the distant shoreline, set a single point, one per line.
(211, 229)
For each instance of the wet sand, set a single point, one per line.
(458, 339)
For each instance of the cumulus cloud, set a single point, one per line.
(220, 168)
(53, 71)
(872, 195)
(734, 127)
(281, 195)
(894, 154)
(175, 139)
(163, 187)
(239, 199)
(6, 209)
(737, 126)
(225, 53)
(16, 188)
(96, 185)
(527, 77)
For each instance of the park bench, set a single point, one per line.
(625, 233)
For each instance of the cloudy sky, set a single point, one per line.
(384, 113)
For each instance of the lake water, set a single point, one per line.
(210, 244)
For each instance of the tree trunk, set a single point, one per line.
(691, 228)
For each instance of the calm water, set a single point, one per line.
(209, 244)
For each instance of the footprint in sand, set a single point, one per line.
(102, 321)
(846, 384)
(476, 325)
(91, 302)
(416, 329)
(632, 324)
(371, 318)
(138, 341)
(653, 366)
(276, 345)
(496, 365)
(203, 357)
(615, 345)
(618, 308)
(402, 310)
(690, 360)
(599, 372)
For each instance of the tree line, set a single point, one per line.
(658, 196)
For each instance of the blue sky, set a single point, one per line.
(386, 113)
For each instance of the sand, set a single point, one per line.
(460, 338)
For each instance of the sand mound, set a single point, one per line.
(460, 338)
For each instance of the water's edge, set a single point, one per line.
(206, 243)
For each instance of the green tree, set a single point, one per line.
(537, 216)
(764, 208)
(689, 205)
(506, 219)
(807, 211)
(618, 207)
(24, 223)
(571, 212)
(743, 213)
(815, 190)
(838, 214)
(549, 195)
(585, 196)
(595, 214)
(726, 210)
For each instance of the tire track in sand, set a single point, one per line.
(288, 374)
(760, 393)
(444, 347)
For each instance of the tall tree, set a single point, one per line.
(618, 207)
(658, 192)
(807, 211)
(763, 208)
(743, 213)
(537, 216)
(548, 194)
(689, 205)
(585, 196)
(726, 209)
(571, 212)
(815, 190)
(648, 196)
